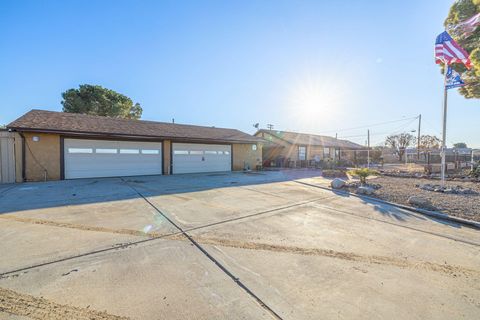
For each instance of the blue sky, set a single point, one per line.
(309, 66)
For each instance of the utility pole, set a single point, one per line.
(368, 150)
(418, 139)
(270, 127)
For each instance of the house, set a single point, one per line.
(58, 145)
(284, 148)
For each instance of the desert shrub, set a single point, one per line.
(475, 172)
(363, 174)
(334, 173)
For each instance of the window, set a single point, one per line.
(326, 152)
(302, 152)
(211, 152)
(105, 150)
(180, 152)
(129, 151)
(152, 151)
(80, 150)
(196, 152)
(254, 147)
(226, 152)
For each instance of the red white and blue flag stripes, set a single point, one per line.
(468, 26)
(448, 51)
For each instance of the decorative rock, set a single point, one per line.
(365, 190)
(420, 202)
(448, 190)
(337, 183)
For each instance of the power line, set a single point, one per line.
(371, 125)
(396, 130)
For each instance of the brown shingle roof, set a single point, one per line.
(73, 123)
(312, 139)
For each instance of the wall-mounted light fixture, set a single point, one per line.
(35, 138)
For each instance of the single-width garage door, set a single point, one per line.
(194, 157)
(105, 158)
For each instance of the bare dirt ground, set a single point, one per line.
(398, 190)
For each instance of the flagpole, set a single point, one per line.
(444, 131)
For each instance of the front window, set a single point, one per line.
(302, 152)
(326, 152)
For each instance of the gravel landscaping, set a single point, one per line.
(398, 190)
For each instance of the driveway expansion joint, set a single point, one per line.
(211, 258)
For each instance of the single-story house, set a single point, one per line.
(58, 145)
(284, 148)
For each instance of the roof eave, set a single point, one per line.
(133, 136)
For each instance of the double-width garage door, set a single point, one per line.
(194, 157)
(104, 158)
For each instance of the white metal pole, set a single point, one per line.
(418, 136)
(368, 150)
(444, 131)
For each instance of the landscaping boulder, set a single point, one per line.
(337, 183)
(365, 190)
(420, 202)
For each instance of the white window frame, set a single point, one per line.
(302, 153)
(129, 151)
(80, 150)
(150, 151)
(106, 150)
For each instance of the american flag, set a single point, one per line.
(469, 25)
(448, 51)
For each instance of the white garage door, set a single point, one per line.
(193, 157)
(105, 158)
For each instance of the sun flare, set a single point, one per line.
(314, 101)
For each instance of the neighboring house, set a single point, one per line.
(284, 148)
(58, 145)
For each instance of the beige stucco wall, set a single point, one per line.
(288, 152)
(244, 155)
(166, 157)
(42, 158)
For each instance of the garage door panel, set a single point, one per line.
(107, 158)
(194, 158)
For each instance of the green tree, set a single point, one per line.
(96, 100)
(460, 145)
(399, 143)
(460, 11)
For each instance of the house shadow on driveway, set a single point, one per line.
(105, 191)
(41, 195)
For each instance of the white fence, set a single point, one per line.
(7, 157)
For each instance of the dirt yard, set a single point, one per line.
(398, 190)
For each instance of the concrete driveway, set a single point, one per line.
(227, 246)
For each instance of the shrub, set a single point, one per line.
(363, 174)
(334, 174)
(475, 172)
